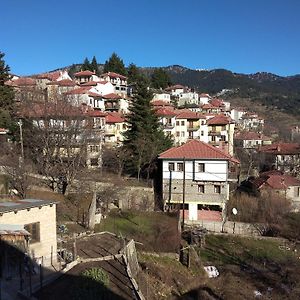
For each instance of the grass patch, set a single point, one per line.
(156, 230)
(237, 250)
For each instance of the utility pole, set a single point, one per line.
(21, 139)
(183, 195)
(170, 189)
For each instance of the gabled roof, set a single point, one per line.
(80, 91)
(195, 149)
(64, 82)
(85, 73)
(276, 181)
(160, 103)
(114, 117)
(217, 102)
(220, 120)
(251, 136)
(281, 148)
(187, 114)
(165, 111)
(113, 75)
(52, 76)
(22, 81)
(112, 96)
(96, 113)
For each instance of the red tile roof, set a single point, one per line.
(187, 114)
(113, 75)
(96, 113)
(165, 111)
(217, 102)
(114, 117)
(160, 103)
(85, 73)
(220, 120)
(64, 82)
(276, 181)
(251, 136)
(111, 96)
(22, 81)
(80, 91)
(195, 149)
(281, 148)
(52, 76)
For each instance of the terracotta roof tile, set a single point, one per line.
(165, 111)
(64, 82)
(281, 148)
(194, 149)
(251, 136)
(188, 115)
(220, 120)
(113, 75)
(112, 96)
(114, 117)
(276, 181)
(84, 73)
(22, 81)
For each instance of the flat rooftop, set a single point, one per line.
(15, 205)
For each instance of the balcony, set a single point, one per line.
(214, 133)
(193, 128)
(168, 126)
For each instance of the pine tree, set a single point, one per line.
(73, 69)
(86, 66)
(6, 96)
(160, 79)
(144, 139)
(94, 65)
(115, 64)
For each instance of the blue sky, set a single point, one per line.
(243, 36)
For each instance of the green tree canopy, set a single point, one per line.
(86, 65)
(160, 79)
(144, 139)
(115, 64)
(6, 96)
(94, 65)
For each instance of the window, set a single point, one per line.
(177, 133)
(182, 123)
(223, 138)
(177, 123)
(202, 133)
(217, 189)
(34, 230)
(201, 167)
(201, 188)
(213, 138)
(182, 133)
(94, 162)
(179, 167)
(171, 166)
(202, 122)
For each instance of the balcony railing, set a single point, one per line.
(193, 128)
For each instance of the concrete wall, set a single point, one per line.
(46, 215)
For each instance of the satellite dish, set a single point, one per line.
(234, 211)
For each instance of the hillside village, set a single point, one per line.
(225, 171)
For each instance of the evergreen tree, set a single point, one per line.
(160, 79)
(94, 65)
(73, 69)
(144, 139)
(6, 96)
(115, 64)
(86, 66)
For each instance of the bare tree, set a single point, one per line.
(56, 139)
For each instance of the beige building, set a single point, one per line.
(38, 218)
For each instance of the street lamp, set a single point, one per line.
(234, 212)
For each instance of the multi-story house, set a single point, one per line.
(251, 122)
(167, 119)
(283, 156)
(237, 113)
(115, 126)
(251, 140)
(204, 98)
(220, 132)
(196, 178)
(188, 98)
(162, 96)
(118, 81)
(85, 76)
(176, 90)
(279, 183)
